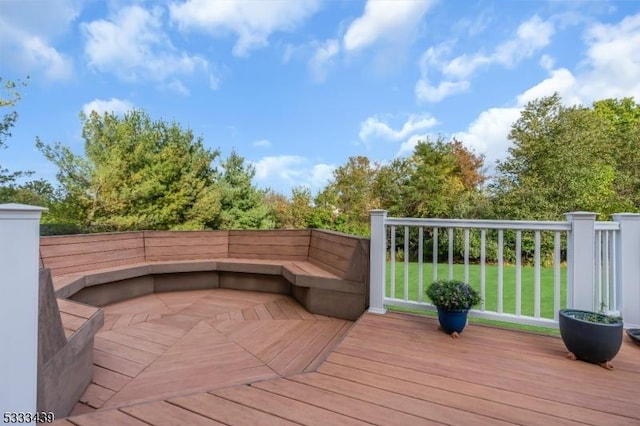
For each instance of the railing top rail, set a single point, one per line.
(607, 226)
(518, 225)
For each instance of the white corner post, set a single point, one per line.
(377, 262)
(580, 260)
(628, 268)
(19, 270)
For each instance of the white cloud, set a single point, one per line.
(531, 36)
(178, 87)
(388, 20)
(320, 175)
(55, 65)
(281, 167)
(426, 92)
(560, 80)
(408, 146)
(614, 60)
(474, 26)
(133, 45)
(262, 143)
(323, 58)
(373, 127)
(114, 105)
(488, 133)
(610, 69)
(547, 62)
(251, 21)
(465, 65)
(287, 170)
(28, 34)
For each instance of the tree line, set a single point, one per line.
(140, 173)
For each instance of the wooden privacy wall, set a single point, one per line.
(185, 245)
(277, 245)
(79, 253)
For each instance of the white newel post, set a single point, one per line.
(580, 260)
(377, 262)
(628, 268)
(19, 265)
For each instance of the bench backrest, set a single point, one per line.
(185, 245)
(79, 253)
(277, 245)
(344, 255)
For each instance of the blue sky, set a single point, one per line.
(298, 86)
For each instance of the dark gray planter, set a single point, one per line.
(594, 342)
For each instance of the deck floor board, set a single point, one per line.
(200, 341)
(262, 359)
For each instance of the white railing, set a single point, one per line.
(605, 297)
(526, 271)
(19, 250)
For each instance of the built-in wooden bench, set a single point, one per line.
(66, 331)
(326, 272)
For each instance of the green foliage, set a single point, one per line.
(453, 295)
(348, 198)
(595, 317)
(294, 213)
(137, 174)
(242, 205)
(569, 159)
(9, 100)
(440, 179)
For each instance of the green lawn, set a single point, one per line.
(472, 320)
(491, 285)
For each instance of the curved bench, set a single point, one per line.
(326, 272)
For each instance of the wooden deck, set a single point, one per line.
(168, 344)
(390, 369)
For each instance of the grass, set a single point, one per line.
(491, 285)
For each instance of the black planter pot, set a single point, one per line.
(590, 341)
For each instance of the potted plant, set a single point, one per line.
(591, 336)
(453, 299)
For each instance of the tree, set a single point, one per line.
(137, 174)
(9, 100)
(622, 118)
(297, 212)
(242, 205)
(350, 196)
(390, 183)
(38, 192)
(439, 179)
(570, 158)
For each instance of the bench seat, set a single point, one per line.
(325, 271)
(141, 278)
(78, 318)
